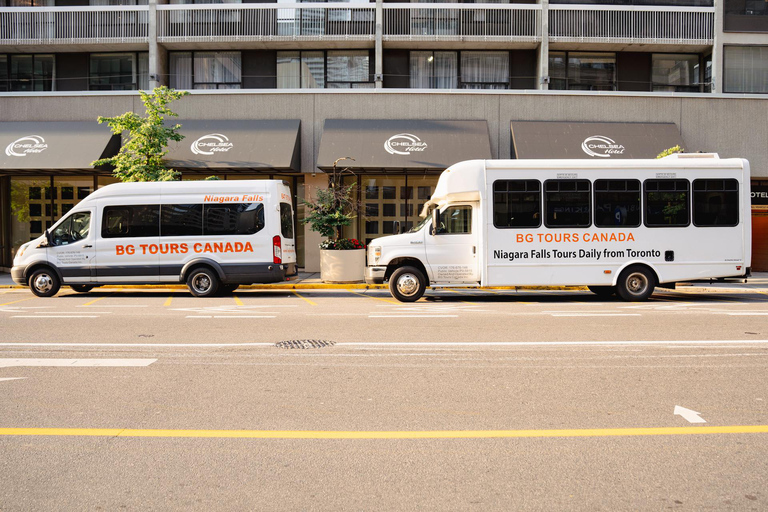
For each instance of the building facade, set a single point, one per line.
(458, 78)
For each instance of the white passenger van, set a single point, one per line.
(211, 235)
(616, 226)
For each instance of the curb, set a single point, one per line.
(310, 286)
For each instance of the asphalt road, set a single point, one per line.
(464, 401)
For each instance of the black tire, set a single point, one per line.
(44, 282)
(407, 284)
(203, 282)
(603, 291)
(226, 289)
(636, 283)
(81, 288)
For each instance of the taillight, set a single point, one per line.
(277, 250)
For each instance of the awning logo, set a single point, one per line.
(26, 145)
(603, 147)
(404, 144)
(211, 143)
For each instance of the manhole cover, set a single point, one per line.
(304, 344)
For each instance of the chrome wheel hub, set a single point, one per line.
(407, 284)
(43, 283)
(201, 283)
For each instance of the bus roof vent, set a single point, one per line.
(694, 155)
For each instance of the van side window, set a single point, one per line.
(234, 219)
(617, 203)
(181, 219)
(567, 203)
(73, 228)
(130, 221)
(667, 203)
(517, 203)
(286, 220)
(716, 202)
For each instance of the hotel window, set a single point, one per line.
(485, 70)
(342, 69)
(205, 70)
(119, 71)
(746, 69)
(26, 72)
(582, 71)
(434, 70)
(675, 72)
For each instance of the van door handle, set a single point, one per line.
(474, 249)
(89, 246)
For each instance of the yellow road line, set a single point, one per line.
(237, 300)
(377, 298)
(168, 301)
(303, 298)
(416, 434)
(14, 302)
(459, 293)
(95, 300)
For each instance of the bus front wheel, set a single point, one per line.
(636, 283)
(407, 284)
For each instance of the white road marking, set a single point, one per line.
(689, 415)
(593, 314)
(412, 316)
(55, 316)
(229, 316)
(114, 306)
(11, 378)
(747, 314)
(7, 363)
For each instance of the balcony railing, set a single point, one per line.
(74, 25)
(462, 22)
(631, 24)
(265, 22)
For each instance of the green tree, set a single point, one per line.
(145, 138)
(670, 151)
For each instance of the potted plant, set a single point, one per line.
(342, 260)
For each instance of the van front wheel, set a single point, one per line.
(407, 284)
(203, 282)
(44, 283)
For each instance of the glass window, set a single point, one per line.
(675, 72)
(485, 70)
(456, 220)
(434, 70)
(567, 203)
(286, 220)
(130, 221)
(217, 70)
(716, 202)
(746, 69)
(617, 203)
(557, 71)
(113, 72)
(300, 70)
(346, 68)
(666, 203)
(180, 66)
(181, 219)
(516, 203)
(592, 71)
(232, 219)
(30, 73)
(4, 82)
(73, 228)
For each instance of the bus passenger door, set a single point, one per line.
(453, 254)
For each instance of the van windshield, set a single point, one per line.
(420, 225)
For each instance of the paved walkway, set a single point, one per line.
(311, 280)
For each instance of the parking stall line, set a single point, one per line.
(303, 298)
(377, 298)
(237, 300)
(16, 301)
(168, 301)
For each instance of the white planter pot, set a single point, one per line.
(342, 266)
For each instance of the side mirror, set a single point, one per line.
(435, 221)
(397, 227)
(47, 242)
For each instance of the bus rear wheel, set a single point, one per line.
(407, 284)
(636, 283)
(203, 282)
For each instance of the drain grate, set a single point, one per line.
(304, 344)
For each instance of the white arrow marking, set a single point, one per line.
(689, 415)
(12, 378)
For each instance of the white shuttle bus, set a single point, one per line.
(211, 235)
(615, 226)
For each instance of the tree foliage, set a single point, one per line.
(332, 210)
(670, 151)
(145, 139)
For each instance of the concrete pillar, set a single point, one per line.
(379, 51)
(717, 49)
(158, 56)
(543, 67)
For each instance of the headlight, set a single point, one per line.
(375, 254)
(21, 251)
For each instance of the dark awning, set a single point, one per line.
(553, 139)
(402, 144)
(59, 146)
(246, 145)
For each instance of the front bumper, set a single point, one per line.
(375, 275)
(17, 274)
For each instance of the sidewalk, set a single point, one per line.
(311, 280)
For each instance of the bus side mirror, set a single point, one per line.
(435, 221)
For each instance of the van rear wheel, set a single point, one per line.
(44, 283)
(407, 284)
(636, 283)
(203, 282)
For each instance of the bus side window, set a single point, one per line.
(617, 203)
(567, 203)
(517, 203)
(715, 202)
(667, 203)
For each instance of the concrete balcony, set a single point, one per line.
(487, 25)
(617, 28)
(265, 25)
(51, 28)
